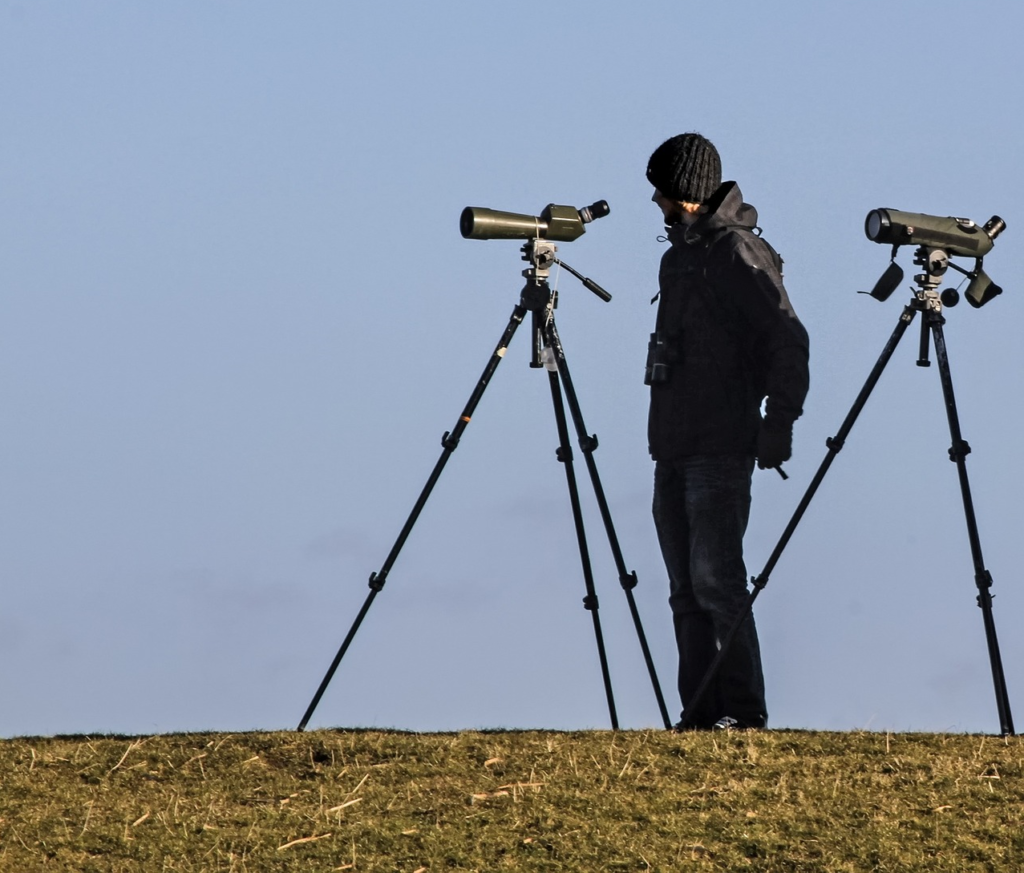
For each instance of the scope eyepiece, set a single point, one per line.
(595, 210)
(994, 226)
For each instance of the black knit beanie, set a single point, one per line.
(685, 167)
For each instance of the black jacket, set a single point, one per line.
(729, 337)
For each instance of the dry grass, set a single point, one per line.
(594, 801)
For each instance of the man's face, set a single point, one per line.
(678, 211)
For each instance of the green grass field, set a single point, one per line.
(522, 800)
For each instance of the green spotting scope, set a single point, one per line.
(558, 223)
(958, 236)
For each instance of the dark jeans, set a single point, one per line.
(701, 506)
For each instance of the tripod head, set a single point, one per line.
(537, 294)
(540, 254)
(935, 262)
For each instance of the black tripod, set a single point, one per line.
(928, 302)
(537, 298)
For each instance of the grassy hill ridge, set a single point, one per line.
(517, 800)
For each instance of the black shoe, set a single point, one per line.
(728, 723)
(682, 726)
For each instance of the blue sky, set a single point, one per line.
(236, 316)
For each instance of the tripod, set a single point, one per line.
(536, 298)
(929, 302)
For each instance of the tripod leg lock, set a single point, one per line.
(834, 444)
(563, 454)
(588, 443)
(451, 443)
(959, 450)
(629, 581)
(377, 580)
(759, 582)
(983, 580)
(590, 602)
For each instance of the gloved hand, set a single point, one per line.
(774, 444)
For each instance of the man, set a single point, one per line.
(726, 339)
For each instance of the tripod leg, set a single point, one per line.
(958, 453)
(450, 442)
(590, 602)
(835, 445)
(588, 444)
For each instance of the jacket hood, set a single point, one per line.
(725, 209)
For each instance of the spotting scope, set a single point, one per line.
(958, 236)
(558, 223)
